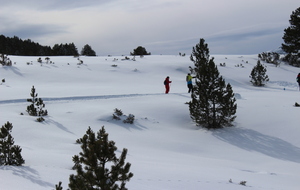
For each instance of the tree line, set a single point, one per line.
(17, 46)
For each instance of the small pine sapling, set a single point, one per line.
(47, 59)
(129, 119)
(59, 187)
(5, 61)
(36, 108)
(117, 114)
(243, 183)
(39, 60)
(258, 75)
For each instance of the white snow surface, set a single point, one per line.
(167, 151)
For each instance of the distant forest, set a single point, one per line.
(17, 46)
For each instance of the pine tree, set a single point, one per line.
(213, 103)
(91, 165)
(10, 154)
(4, 60)
(88, 51)
(258, 75)
(58, 186)
(36, 108)
(291, 39)
(140, 51)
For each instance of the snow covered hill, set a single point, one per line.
(167, 151)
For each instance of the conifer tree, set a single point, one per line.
(10, 154)
(291, 39)
(88, 51)
(213, 103)
(58, 186)
(258, 75)
(92, 164)
(140, 51)
(36, 108)
(5, 61)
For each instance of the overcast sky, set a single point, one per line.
(116, 27)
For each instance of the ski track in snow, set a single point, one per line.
(78, 98)
(284, 83)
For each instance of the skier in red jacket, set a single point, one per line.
(167, 84)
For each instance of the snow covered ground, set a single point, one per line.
(165, 148)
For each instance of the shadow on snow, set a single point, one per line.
(251, 140)
(28, 173)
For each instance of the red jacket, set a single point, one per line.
(167, 81)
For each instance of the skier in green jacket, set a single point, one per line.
(189, 82)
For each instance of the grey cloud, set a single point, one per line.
(162, 26)
(71, 4)
(243, 42)
(245, 35)
(247, 42)
(33, 31)
(49, 5)
(53, 4)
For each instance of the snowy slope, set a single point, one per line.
(167, 151)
